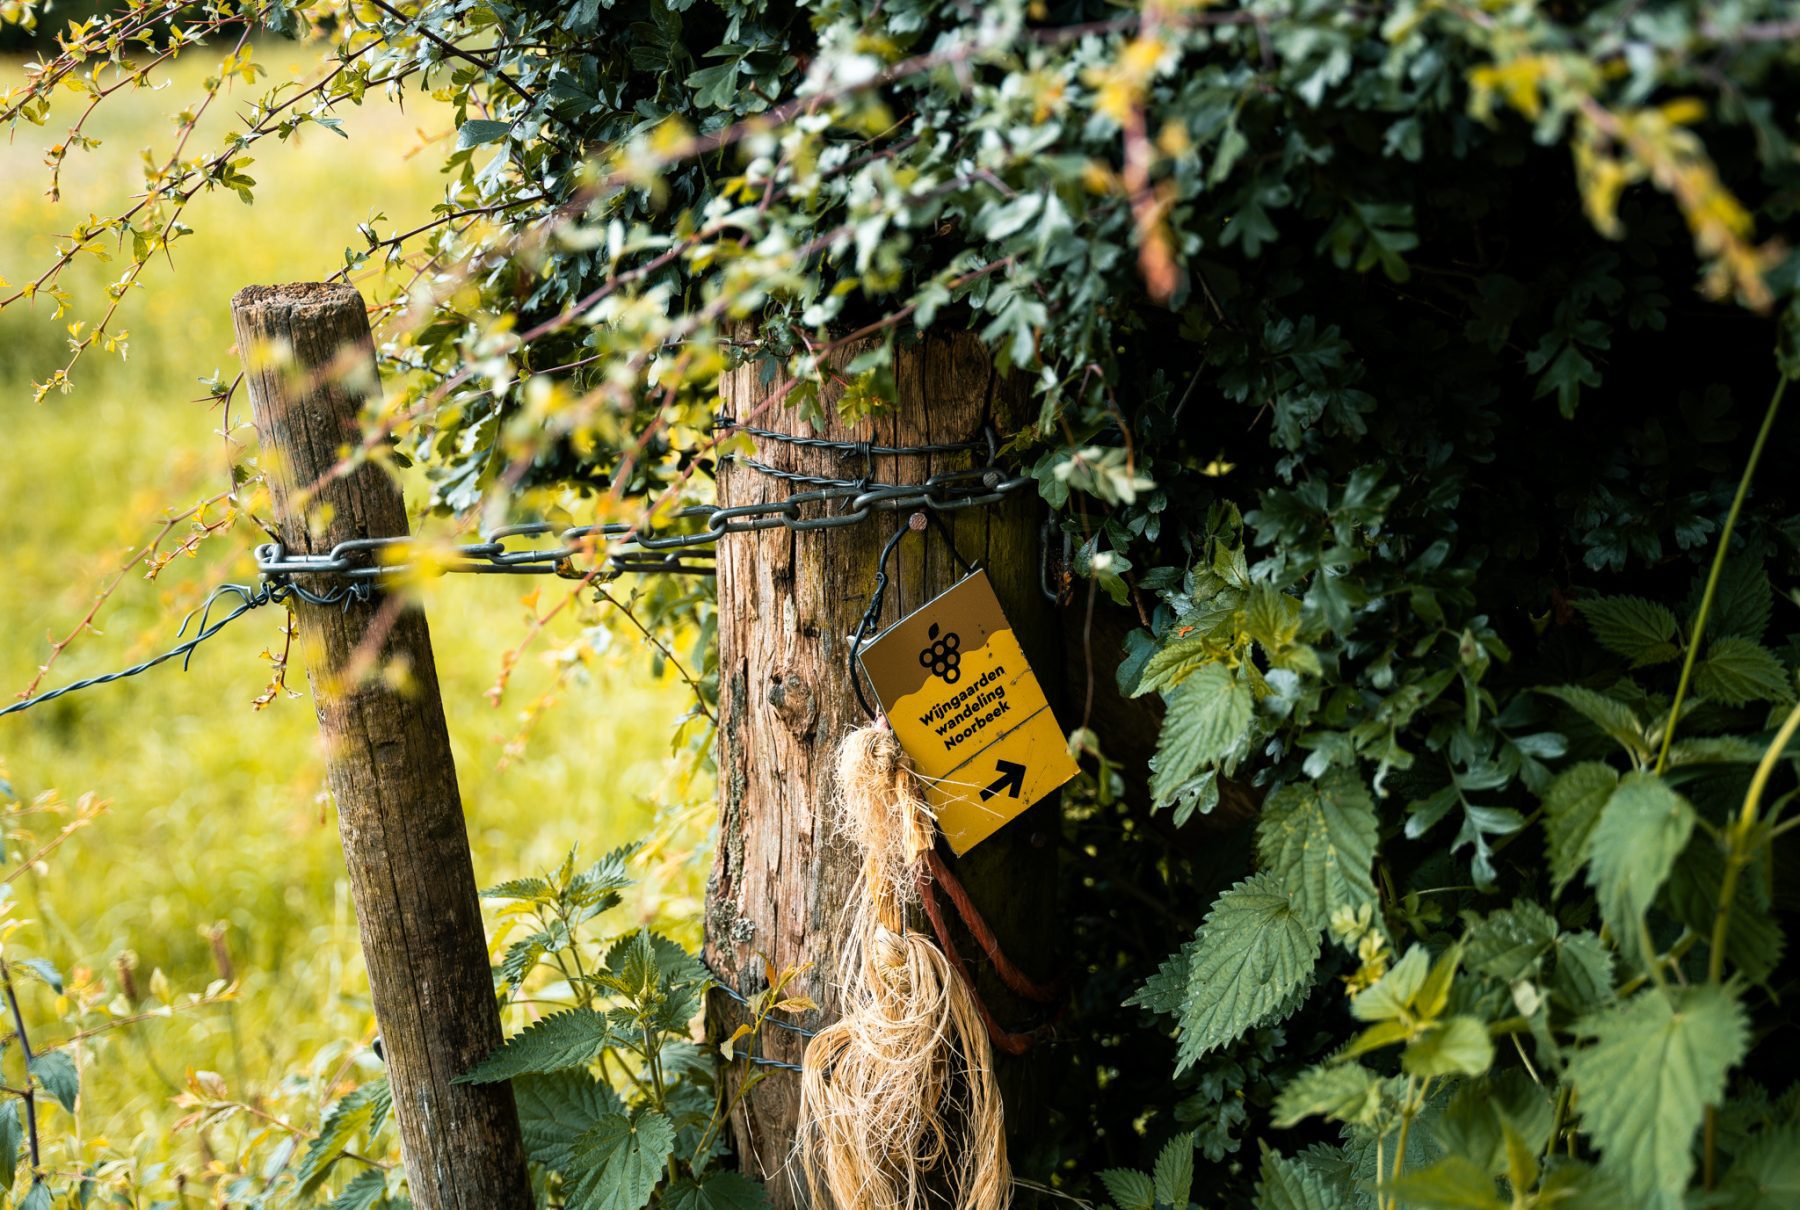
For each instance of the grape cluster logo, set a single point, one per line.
(942, 656)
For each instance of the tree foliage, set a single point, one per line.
(1397, 365)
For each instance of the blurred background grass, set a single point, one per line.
(218, 811)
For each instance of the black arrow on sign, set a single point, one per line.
(1011, 780)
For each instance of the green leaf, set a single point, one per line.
(1657, 1060)
(361, 1111)
(1208, 716)
(1286, 1184)
(1455, 1046)
(476, 131)
(1642, 829)
(1641, 631)
(1744, 600)
(1736, 671)
(1174, 1173)
(556, 1109)
(1392, 995)
(1340, 1092)
(1173, 663)
(44, 970)
(1572, 806)
(562, 1040)
(717, 1190)
(12, 1138)
(1318, 839)
(1453, 1183)
(38, 1199)
(1252, 954)
(56, 1072)
(1766, 1174)
(1508, 943)
(1474, 1124)
(617, 1162)
(362, 1193)
(1613, 717)
(1583, 978)
(1715, 750)
(1129, 1190)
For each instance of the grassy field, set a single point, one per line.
(217, 811)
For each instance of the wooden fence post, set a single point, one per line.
(787, 604)
(309, 362)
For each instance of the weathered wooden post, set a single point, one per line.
(787, 604)
(309, 362)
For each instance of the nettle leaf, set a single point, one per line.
(556, 1109)
(1656, 1061)
(1255, 950)
(1129, 1190)
(1737, 671)
(1339, 1092)
(363, 1192)
(717, 1190)
(1744, 600)
(1474, 1124)
(359, 1112)
(1318, 839)
(1583, 978)
(562, 1040)
(1208, 716)
(1572, 807)
(1642, 829)
(1766, 1174)
(1453, 1183)
(617, 1162)
(1613, 717)
(1508, 943)
(1641, 631)
(1287, 1184)
(1174, 1172)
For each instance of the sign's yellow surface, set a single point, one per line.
(965, 705)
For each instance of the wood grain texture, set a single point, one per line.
(787, 603)
(309, 364)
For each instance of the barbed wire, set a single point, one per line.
(250, 597)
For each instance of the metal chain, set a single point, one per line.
(359, 565)
(644, 549)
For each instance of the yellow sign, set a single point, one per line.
(964, 704)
